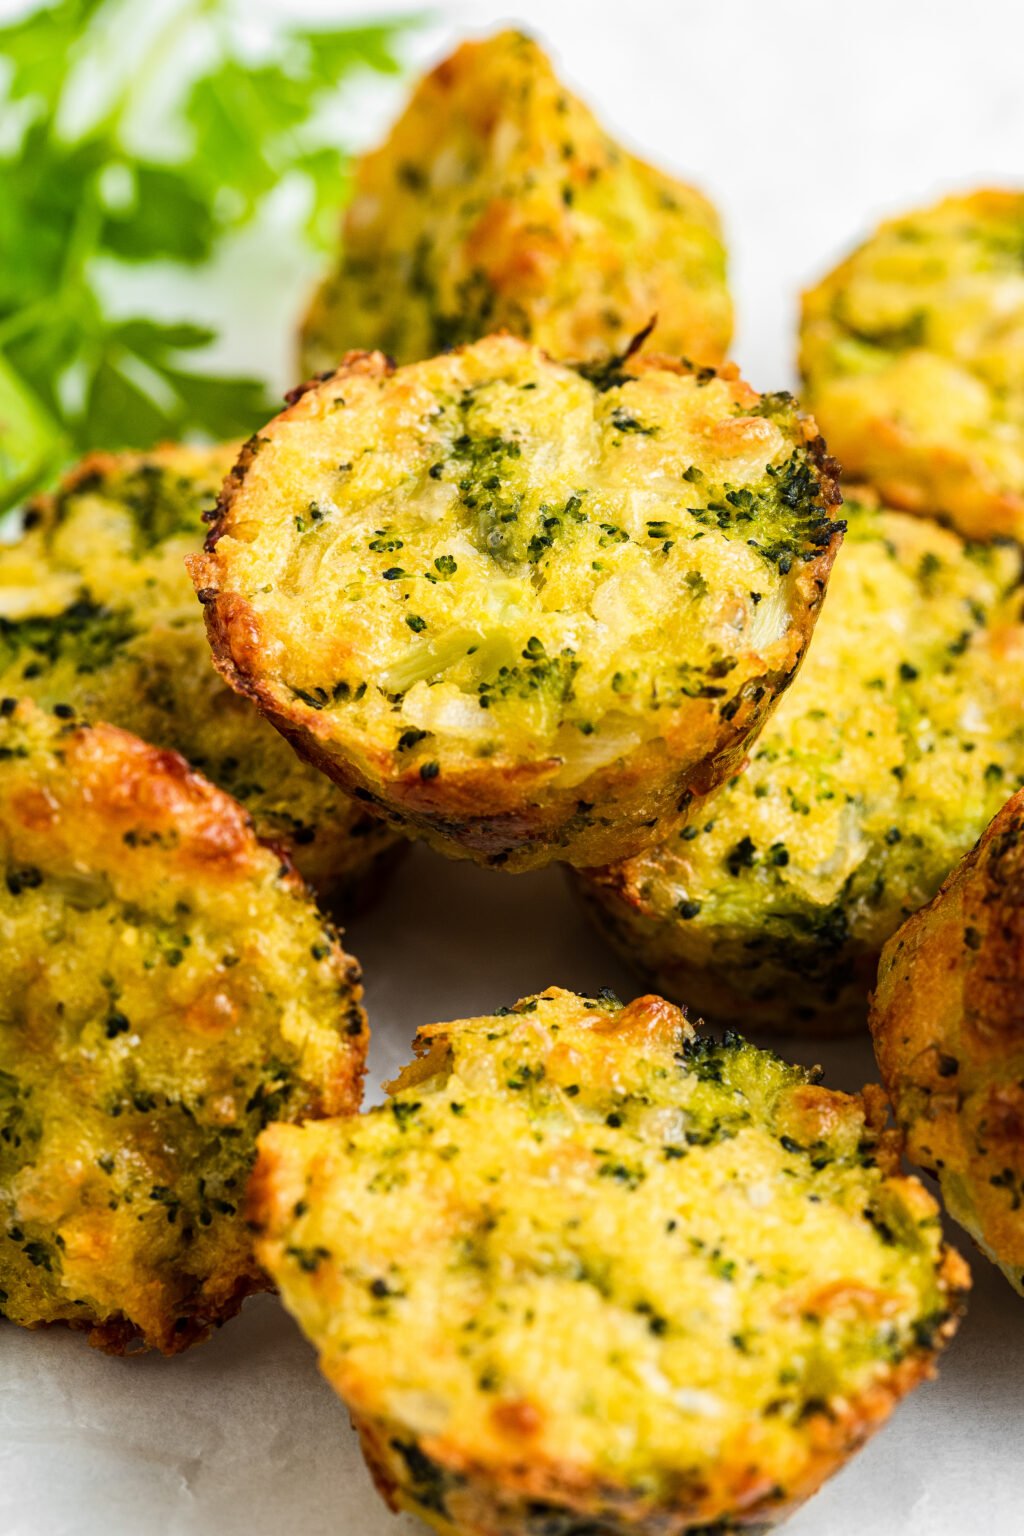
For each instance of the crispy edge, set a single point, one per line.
(495, 1499)
(737, 1492)
(708, 327)
(613, 902)
(931, 479)
(947, 1013)
(928, 479)
(532, 821)
(41, 510)
(341, 890)
(832, 1006)
(127, 776)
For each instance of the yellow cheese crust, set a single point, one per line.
(168, 988)
(588, 1270)
(526, 610)
(97, 611)
(948, 1025)
(913, 355)
(894, 747)
(498, 202)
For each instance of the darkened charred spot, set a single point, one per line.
(294, 395)
(430, 1481)
(544, 1519)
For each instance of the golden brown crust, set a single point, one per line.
(100, 615)
(481, 1403)
(912, 351)
(948, 1024)
(621, 911)
(826, 1012)
(512, 803)
(497, 201)
(169, 986)
(898, 741)
(487, 1502)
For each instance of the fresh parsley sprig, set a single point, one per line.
(85, 196)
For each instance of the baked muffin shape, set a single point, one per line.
(168, 988)
(912, 352)
(897, 742)
(525, 610)
(948, 1023)
(589, 1270)
(97, 611)
(498, 202)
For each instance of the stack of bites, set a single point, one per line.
(543, 597)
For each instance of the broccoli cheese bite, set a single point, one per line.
(913, 355)
(948, 1023)
(97, 611)
(168, 988)
(896, 744)
(499, 203)
(590, 1271)
(524, 609)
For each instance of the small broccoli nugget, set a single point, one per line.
(526, 610)
(913, 356)
(897, 743)
(97, 611)
(591, 1271)
(948, 1025)
(498, 202)
(168, 988)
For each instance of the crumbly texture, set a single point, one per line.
(498, 202)
(913, 355)
(897, 743)
(168, 988)
(948, 1025)
(525, 609)
(97, 611)
(588, 1270)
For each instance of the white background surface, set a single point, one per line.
(805, 122)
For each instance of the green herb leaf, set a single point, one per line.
(166, 218)
(40, 50)
(82, 210)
